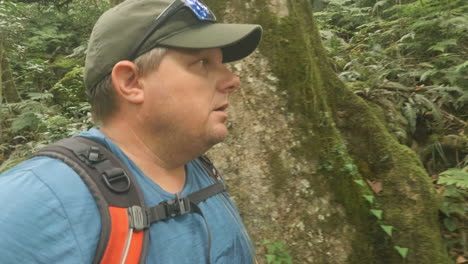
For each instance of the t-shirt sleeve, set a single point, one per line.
(34, 227)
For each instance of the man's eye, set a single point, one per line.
(203, 62)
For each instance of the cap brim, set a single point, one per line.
(237, 41)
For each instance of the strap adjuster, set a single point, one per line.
(94, 155)
(138, 218)
(177, 206)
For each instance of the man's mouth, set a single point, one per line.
(222, 107)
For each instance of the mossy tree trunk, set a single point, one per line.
(307, 160)
(2, 51)
(115, 2)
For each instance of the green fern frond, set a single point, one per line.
(443, 45)
(40, 96)
(448, 89)
(429, 105)
(410, 113)
(461, 66)
(457, 177)
(462, 101)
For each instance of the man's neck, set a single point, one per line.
(158, 161)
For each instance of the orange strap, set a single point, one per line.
(118, 239)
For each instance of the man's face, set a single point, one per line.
(186, 98)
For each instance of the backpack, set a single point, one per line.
(125, 218)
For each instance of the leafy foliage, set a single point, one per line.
(45, 43)
(277, 253)
(411, 58)
(404, 48)
(453, 205)
(457, 177)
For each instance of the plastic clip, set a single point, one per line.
(178, 206)
(138, 218)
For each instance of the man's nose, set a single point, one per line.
(230, 81)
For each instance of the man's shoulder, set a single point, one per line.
(42, 169)
(42, 198)
(40, 179)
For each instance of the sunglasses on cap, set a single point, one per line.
(199, 10)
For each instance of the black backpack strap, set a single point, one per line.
(109, 181)
(113, 186)
(183, 205)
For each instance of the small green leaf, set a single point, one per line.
(360, 182)
(387, 229)
(403, 251)
(369, 198)
(377, 213)
(270, 258)
(450, 224)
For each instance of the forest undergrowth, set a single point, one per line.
(410, 58)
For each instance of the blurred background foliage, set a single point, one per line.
(407, 58)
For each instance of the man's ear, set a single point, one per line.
(125, 80)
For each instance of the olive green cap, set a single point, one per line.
(119, 29)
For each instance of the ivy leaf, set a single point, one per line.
(403, 251)
(369, 198)
(387, 229)
(377, 213)
(360, 182)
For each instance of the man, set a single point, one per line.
(159, 88)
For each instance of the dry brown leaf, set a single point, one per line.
(376, 186)
(461, 260)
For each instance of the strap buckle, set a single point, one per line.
(91, 156)
(94, 155)
(177, 206)
(138, 218)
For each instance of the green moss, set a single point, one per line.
(218, 7)
(70, 88)
(278, 171)
(63, 65)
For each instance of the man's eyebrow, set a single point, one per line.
(194, 52)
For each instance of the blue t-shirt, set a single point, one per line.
(47, 215)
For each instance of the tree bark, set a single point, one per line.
(10, 93)
(115, 2)
(2, 51)
(1, 71)
(309, 162)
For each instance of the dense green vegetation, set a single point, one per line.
(408, 59)
(44, 45)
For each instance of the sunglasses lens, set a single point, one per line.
(200, 10)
